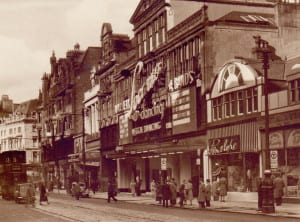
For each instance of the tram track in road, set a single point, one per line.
(89, 212)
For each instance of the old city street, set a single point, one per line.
(65, 208)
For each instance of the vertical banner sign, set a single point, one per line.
(274, 159)
(163, 163)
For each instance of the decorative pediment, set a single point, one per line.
(142, 7)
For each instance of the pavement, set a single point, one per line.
(291, 210)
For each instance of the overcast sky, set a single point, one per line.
(32, 29)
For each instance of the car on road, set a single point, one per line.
(84, 191)
(20, 192)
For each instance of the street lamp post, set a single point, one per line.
(263, 51)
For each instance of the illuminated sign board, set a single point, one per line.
(124, 129)
(184, 110)
(138, 96)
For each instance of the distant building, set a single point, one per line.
(6, 106)
(19, 131)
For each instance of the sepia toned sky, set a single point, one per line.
(31, 29)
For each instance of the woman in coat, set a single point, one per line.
(181, 193)
(43, 194)
(201, 194)
(215, 189)
(223, 188)
(173, 190)
(207, 193)
(189, 191)
(278, 189)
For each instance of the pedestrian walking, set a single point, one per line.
(153, 188)
(173, 190)
(76, 190)
(278, 189)
(166, 193)
(207, 193)
(215, 189)
(30, 196)
(223, 188)
(94, 186)
(111, 192)
(138, 185)
(43, 194)
(249, 181)
(181, 192)
(132, 187)
(158, 192)
(201, 194)
(189, 191)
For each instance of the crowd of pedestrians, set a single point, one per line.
(168, 193)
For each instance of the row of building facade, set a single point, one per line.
(183, 98)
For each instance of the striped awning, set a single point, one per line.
(248, 132)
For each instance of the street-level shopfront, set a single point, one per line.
(56, 165)
(161, 140)
(285, 149)
(233, 108)
(233, 152)
(92, 159)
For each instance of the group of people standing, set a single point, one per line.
(167, 192)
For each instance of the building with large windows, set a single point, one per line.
(19, 131)
(62, 96)
(179, 47)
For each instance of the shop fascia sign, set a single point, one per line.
(224, 145)
(181, 81)
(137, 97)
(148, 113)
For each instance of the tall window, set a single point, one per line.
(240, 102)
(293, 91)
(219, 101)
(215, 109)
(235, 103)
(227, 105)
(150, 38)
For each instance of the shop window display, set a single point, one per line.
(240, 170)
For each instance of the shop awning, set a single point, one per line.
(157, 149)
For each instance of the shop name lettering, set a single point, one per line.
(147, 113)
(147, 86)
(146, 128)
(224, 145)
(181, 81)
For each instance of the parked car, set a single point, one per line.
(84, 191)
(20, 192)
